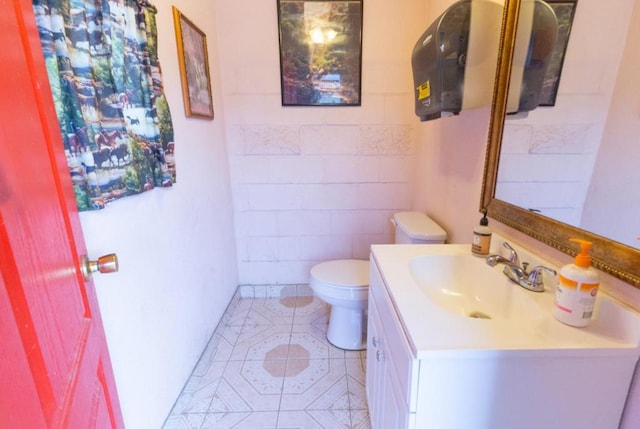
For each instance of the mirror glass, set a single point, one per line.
(578, 161)
(569, 169)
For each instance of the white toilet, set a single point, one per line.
(344, 283)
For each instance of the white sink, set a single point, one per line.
(445, 286)
(465, 285)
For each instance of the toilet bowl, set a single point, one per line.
(344, 283)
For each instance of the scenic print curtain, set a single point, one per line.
(103, 67)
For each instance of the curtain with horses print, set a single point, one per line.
(103, 67)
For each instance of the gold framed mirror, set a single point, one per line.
(612, 257)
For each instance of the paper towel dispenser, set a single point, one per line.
(454, 61)
(438, 63)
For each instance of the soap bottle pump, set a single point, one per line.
(481, 236)
(577, 289)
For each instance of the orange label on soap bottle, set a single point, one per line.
(572, 284)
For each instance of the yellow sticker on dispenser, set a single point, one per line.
(424, 90)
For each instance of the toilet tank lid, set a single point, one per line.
(419, 226)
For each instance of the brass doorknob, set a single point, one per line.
(104, 264)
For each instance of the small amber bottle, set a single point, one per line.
(481, 236)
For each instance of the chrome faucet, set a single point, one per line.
(517, 273)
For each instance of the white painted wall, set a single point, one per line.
(451, 155)
(312, 184)
(176, 249)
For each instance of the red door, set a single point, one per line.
(54, 365)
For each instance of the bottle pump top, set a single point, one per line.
(484, 221)
(582, 259)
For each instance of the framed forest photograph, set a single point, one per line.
(194, 67)
(320, 52)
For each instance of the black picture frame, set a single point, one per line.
(320, 52)
(565, 11)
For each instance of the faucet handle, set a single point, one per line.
(535, 275)
(516, 274)
(513, 255)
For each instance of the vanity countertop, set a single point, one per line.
(436, 332)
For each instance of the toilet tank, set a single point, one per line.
(417, 228)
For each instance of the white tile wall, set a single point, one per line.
(316, 183)
(305, 222)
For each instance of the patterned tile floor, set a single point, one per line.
(269, 365)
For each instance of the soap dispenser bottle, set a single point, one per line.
(481, 236)
(577, 289)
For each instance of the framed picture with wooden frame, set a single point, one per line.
(194, 67)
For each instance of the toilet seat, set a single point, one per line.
(343, 280)
(345, 277)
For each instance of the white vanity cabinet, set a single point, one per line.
(391, 367)
(429, 367)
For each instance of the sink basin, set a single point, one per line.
(445, 294)
(464, 284)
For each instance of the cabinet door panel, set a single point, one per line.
(405, 366)
(396, 413)
(375, 381)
